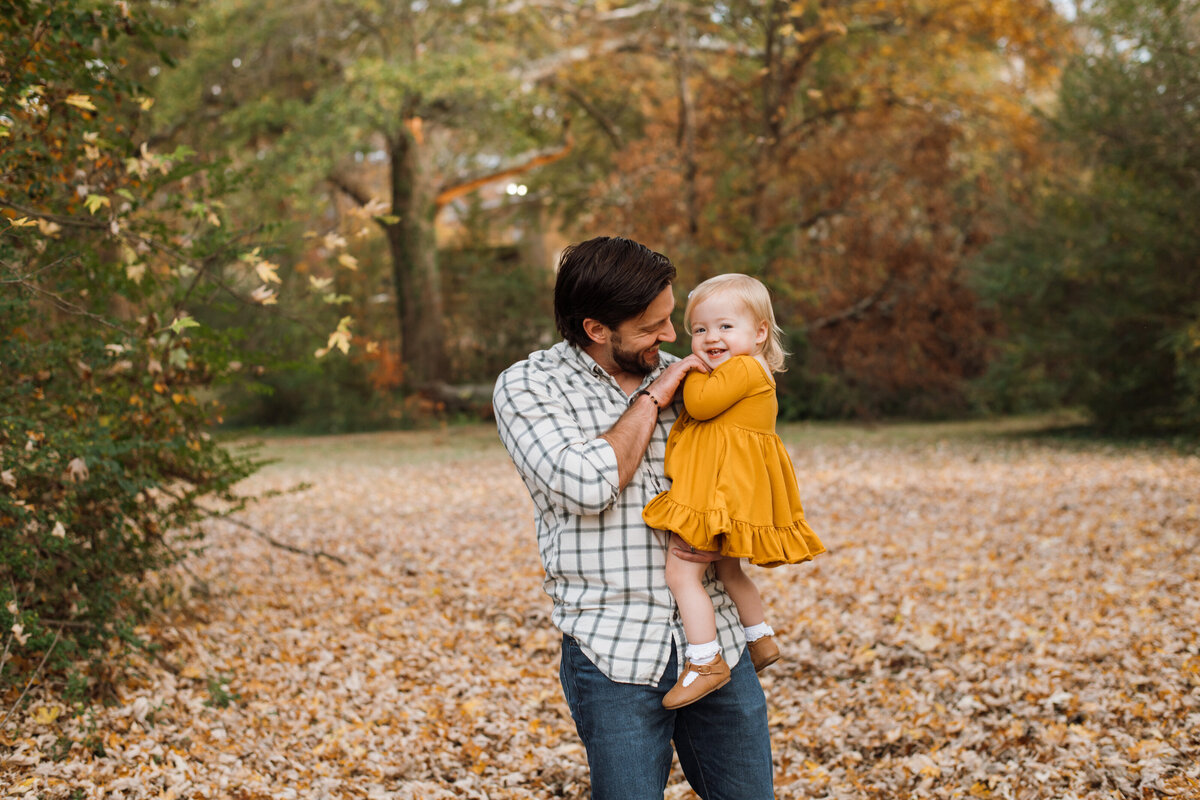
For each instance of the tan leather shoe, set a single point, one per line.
(697, 681)
(763, 652)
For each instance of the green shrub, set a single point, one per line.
(106, 251)
(104, 461)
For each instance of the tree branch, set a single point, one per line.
(853, 312)
(813, 219)
(351, 190)
(61, 219)
(810, 122)
(61, 303)
(317, 554)
(609, 127)
(449, 194)
(33, 677)
(546, 68)
(186, 121)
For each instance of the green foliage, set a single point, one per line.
(372, 112)
(219, 695)
(809, 389)
(499, 309)
(107, 251)
(104, 461)
(333, 395)
(1099, 283)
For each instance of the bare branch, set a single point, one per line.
(60, 302)
(284, 545)
(61, 219)
(8, 640)
(187, 121)
(348, 188)
(628, 12)
(870, 26)
(575, 12)
(545, 68)
(853, 312)
(33, 677)
(813, 219)
(609, 127)
(685, 139)
(811, 121)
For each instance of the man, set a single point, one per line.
(586, 424)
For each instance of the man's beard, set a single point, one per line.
(630, 361)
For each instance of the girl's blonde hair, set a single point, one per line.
(755, 299)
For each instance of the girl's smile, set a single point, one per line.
(722, 327)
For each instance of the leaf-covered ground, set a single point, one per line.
(995, 618)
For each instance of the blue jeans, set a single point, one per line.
(722, 739)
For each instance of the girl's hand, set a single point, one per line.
(664, 387)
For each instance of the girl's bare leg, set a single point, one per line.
(695, 607)
(741, 589)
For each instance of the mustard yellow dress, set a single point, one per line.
(733, 485)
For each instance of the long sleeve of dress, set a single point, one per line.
(707, 394)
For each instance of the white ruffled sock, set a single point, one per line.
(755, 632)
(702, 653)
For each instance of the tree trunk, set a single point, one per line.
(772, 115)
(413, 247)
(686, 140)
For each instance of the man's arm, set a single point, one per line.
(571, 469)
(581, 473)
(630, 436)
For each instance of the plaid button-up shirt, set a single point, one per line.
(605, 568)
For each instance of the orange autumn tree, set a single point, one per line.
(843, 152)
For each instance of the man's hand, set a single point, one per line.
(630, 435)
(664, 387)
(688, 553)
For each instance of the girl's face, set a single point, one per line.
(722, 327)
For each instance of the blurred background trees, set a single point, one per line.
(1097, 271)
(846, 154)
(345, 214)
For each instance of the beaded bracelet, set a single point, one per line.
(646, 392)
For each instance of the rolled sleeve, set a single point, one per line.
(585, 477)
(575, 471)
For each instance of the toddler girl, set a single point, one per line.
(733, 485)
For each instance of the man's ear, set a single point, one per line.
(598, 332)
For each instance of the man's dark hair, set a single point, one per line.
(608, 279)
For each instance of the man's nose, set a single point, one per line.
(669, 335)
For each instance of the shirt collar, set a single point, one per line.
(588, 364)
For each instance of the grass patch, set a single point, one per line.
(479, 440)
(382, 449)
(897, 433)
